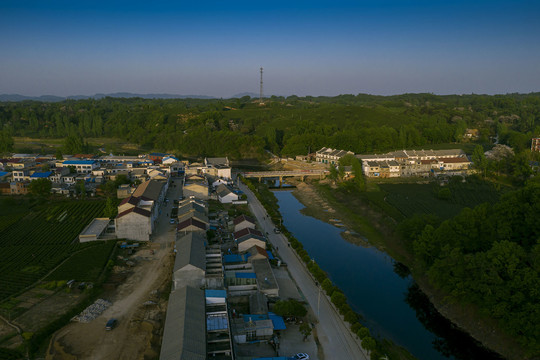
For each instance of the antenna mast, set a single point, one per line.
(261, 89)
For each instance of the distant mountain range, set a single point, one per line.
(52, 98)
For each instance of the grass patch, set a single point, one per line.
(411, 199)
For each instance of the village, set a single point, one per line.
(227, 277)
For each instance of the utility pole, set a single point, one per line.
(319, 303)
(261, 88)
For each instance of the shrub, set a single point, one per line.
(338, 299)
(351, 317)
(363, 332)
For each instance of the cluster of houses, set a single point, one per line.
(17, 171)
(403, 163)
(423, 163)
(207, 275)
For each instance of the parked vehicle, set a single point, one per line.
(301, 356)
(276, 231)
(111, 324)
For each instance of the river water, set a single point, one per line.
(391, 305)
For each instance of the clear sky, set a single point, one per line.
(306, 47)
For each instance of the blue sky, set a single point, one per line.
(306, 48)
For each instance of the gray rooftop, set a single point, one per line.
(258, 303)
(217, 161)
(150, 189)
(96, 227)
(190, 251)
(265, 276)
(184, 337)
(223, 190)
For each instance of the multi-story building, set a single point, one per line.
(415, 163)
(330, 156)
(82, 166)
(535, 144)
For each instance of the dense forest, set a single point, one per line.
(489, 256)
(242, 128)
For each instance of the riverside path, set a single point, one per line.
(333, 333)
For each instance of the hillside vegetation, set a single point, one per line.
(241, 128)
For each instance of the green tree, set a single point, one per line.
(479, 159)
(363, 332)
(369, 344)
(40, 187)
(338, 298)
(305, 329)
(341, 172)
(347, 160)
(358, 174)
(111, 210)
(521, 170)
(73, 144)
(444, 193)
(59, 155)
(333, 175)
(290, 307)
(80, 188)
(6, 142)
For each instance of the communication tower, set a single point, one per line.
(261, 88)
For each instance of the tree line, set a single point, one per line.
(286, 126)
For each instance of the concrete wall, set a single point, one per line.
(133, 226)
(188, 276)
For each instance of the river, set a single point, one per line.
(391, 305)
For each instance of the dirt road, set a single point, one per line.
(133, 336)
(334, 335)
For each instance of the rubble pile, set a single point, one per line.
(93, 311)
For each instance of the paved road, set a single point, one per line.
(334, 335)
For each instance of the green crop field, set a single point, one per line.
(34, 242)
(86, 264)
(410, 199)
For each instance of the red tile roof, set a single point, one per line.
(247, 231)
(243, 217)
(191, 221)
(136, 210)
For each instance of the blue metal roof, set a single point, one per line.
(45, 174)
(270, 256)
(3, 173)
(217, 322)
(233, 258)
(215, 293)
(245, 275)
(79, 162)
(279, 323)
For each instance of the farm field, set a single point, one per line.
(33, 242)
(86, 264)
(410, 199)
(50, 145)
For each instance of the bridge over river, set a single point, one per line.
(281, 174)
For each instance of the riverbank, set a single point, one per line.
(333, 333)
(358, 219)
